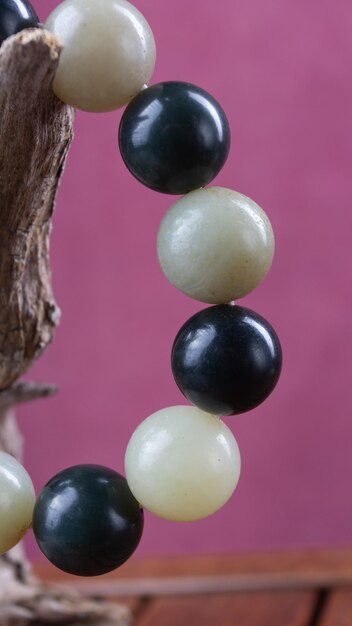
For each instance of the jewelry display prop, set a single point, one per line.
(35, 134)
(214, 244)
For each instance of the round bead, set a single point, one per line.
(174, 137)
(86, 521)
(226, 359)
(215, 245)
(16, 15)
(108, 55)
(17, 500)
(182, 464)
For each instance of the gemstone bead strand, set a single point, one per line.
(215, 245)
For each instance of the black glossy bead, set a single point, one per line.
(174, 137)
(226, 359)
(15, 15)
(86, 520)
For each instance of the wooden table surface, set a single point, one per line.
(301, 588)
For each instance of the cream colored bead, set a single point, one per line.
(108, 55)
(182, 464)
(17, 499)
(215, 245)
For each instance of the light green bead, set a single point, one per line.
(182, 464)
(108, 55)
(17, 499)
(215, 245)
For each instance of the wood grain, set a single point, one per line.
(308, 569)
(190, 591)
(35, 135)
(258, 609)
(338, 610)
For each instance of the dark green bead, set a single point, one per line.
(86, 520)
(16, 15)
(174, 137)
(226, 359)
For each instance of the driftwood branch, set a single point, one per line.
(35, 135)
(24, 392)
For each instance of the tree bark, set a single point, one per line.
(36, 130)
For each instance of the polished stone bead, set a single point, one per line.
(215, 245)
(16, 15)
(17, 500)
(174, 137)
(86, 520)
(226, 359)
(108, 55)
(182, 464)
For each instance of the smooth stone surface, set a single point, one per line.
(226, 359)
(86, 520)
(16, 15)
(108, 56)
(215, 245)
(174, 137)
(182, 464)
(17, 500)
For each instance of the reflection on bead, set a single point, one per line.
(17, 500)
(108, 55)
(215, 245)
(226, 359)
(174, 137)
(16, 15)
(86, 520)
(182, 464)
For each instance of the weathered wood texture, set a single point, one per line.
(35, 135)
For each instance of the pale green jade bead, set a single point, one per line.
(17, 499)
(182, 464)
(215, 245)
(108, 54)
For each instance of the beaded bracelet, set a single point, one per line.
(215, 245)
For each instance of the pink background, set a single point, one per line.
(282, 72)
